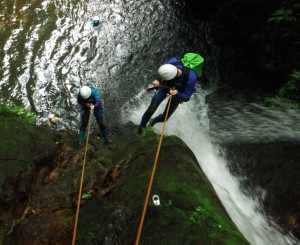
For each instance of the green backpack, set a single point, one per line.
(193, 61)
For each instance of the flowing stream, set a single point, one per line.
(48, 50)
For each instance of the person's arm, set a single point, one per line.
(97, 97)
(190, 87)
(63, 125)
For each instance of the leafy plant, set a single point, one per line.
(279, 100)
(286, 88)
(169, 204)
(86, 196)
(195, 217)
(295, 75)
(148, 130)
(282, 15)
(11, 110)
(273, 100)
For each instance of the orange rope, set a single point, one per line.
(152, 175)
(81, 182)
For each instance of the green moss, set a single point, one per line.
(95, 226)
(189, 212)
(11, 110)
(209, 219)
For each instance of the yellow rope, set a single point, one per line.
(152, 175)
(81, 180)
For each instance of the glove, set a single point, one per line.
(173, 92)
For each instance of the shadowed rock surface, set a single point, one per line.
(40, 187)
(273, 167)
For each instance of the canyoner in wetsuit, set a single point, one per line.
(56, 123)
(174, 79)
(90, 99)
(96, 22)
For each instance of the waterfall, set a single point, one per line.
(49, 51)
(190, 122)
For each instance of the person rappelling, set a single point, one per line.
(56, 123)
(177, 78)
(96, 22)
(90, 100)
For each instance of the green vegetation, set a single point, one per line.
(190, 204)
(11, 110)
(285, 23)
(279, 99)
(147, 131)
(282, 15)
(169, 203)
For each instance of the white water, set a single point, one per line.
(244, 210)
(71, 55)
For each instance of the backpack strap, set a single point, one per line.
(186, 76)
(186, 73)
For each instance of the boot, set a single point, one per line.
(152, 122)
(104, 134)
(155, 120)
(81, 136)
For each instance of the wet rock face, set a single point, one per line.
(24, 147)
(17, 183)
(273, 167)
(116, 226)
(114, 186)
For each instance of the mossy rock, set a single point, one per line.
(24, 141)
(189, 211)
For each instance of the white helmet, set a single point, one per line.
(51, 116)
(96, 18)
(167, 72)
(85, 92)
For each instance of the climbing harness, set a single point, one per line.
(152, 175)
(81, 181)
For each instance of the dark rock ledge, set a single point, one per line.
(40, 178)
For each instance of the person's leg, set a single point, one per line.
(155, 102)
(161, 118)
(100, 120)
(84, 121)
